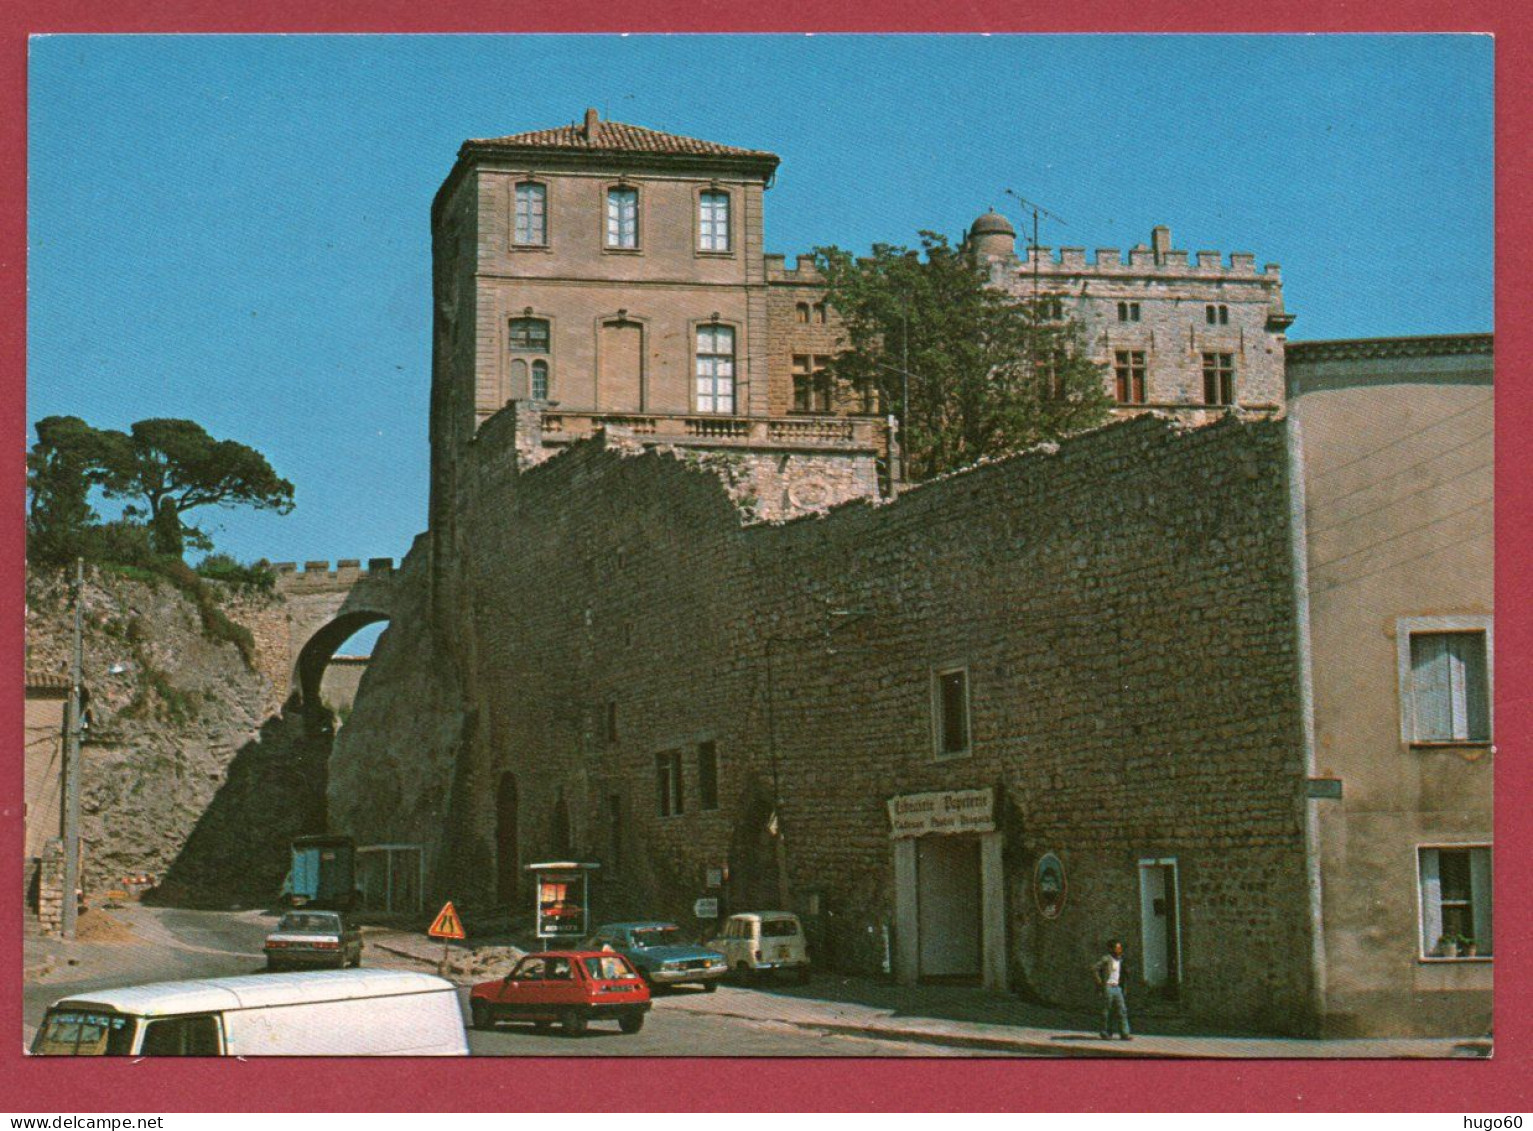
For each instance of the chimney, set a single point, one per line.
(1160, 242)
(591, 120)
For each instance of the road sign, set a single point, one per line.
(706, 908)
(447, 925)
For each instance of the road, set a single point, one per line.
(199, 944)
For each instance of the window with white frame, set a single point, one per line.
(716, 369)
(1445, 680)
(1455, 901)
(950, 711)
(713, 221)
(531, 229)
(623, 217)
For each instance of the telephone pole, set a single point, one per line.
(70, 909)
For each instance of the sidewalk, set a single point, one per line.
(952, 1016)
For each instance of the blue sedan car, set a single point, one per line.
(661, 954)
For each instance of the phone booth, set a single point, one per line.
(562, 900)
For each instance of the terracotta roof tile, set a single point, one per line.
(617, 137)
(46, 681)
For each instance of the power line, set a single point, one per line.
(1328, 586)
(1400, 499)
(1401, 440)
(1403, 534)
(1475, 439)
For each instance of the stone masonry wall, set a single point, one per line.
(1123, 607)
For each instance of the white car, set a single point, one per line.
(756, 942)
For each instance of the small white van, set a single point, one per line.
(762, 942)
(329, 1013)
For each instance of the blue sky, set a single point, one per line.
(235, 229)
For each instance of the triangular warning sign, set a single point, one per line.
(447, 925)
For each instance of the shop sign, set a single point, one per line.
(706, 908)
(951, 811)
(1049, 885)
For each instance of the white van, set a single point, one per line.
(757, 942)
(325, 1013)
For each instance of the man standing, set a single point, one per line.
(1109, 975)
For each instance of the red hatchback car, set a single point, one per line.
(572, 987)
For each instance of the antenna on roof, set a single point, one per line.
(1037, 210)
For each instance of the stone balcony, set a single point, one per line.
(784, 433)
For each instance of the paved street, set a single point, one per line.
(199, 944)
(832, 1016)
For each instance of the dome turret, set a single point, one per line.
(992, 236)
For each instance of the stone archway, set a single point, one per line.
(317, 652)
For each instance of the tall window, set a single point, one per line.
(1217, 314)
(1128, 312)
(716, 369)
(531, 215)
(623, 217)
(1128, 368)
(668, 783)
(802, 311)
(1455, 901)
(713, 221)
(865, 389)
(1219, 378)
(950, 704)
(1051, 308)
(811, 386)
(1449, 691)
(529, 373)
(819, 312)
(707, 775)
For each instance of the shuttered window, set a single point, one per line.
(531, 214)
(716, 369)
(623, 217)
(1455, 901)
(1450, 699)
(713, 221)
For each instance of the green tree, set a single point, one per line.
(164, 468)
(987, 373)
(59, 514)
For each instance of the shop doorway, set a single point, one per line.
(1160, 925)
(948, 907)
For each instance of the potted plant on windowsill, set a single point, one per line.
(1447, 946)
(1467, 947)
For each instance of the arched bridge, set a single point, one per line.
(325, 607)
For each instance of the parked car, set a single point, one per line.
(319, 1013)
(661, 955)
(757, 942)
(314, 938)
(572, 987)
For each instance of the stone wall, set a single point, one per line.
(1123, 607)
(190, 770)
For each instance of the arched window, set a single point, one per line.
(531, 228)
(529, 372)
(713, 221)
(716, 369)
(819, 312)
(803, 311)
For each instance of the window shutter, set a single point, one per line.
(1431, 902)
(1470, 649)
(1480, 888)
(1431, 692)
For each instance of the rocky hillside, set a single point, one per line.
(187, 775)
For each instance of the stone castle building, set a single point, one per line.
(968, 732)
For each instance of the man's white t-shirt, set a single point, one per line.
(1114, 969)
